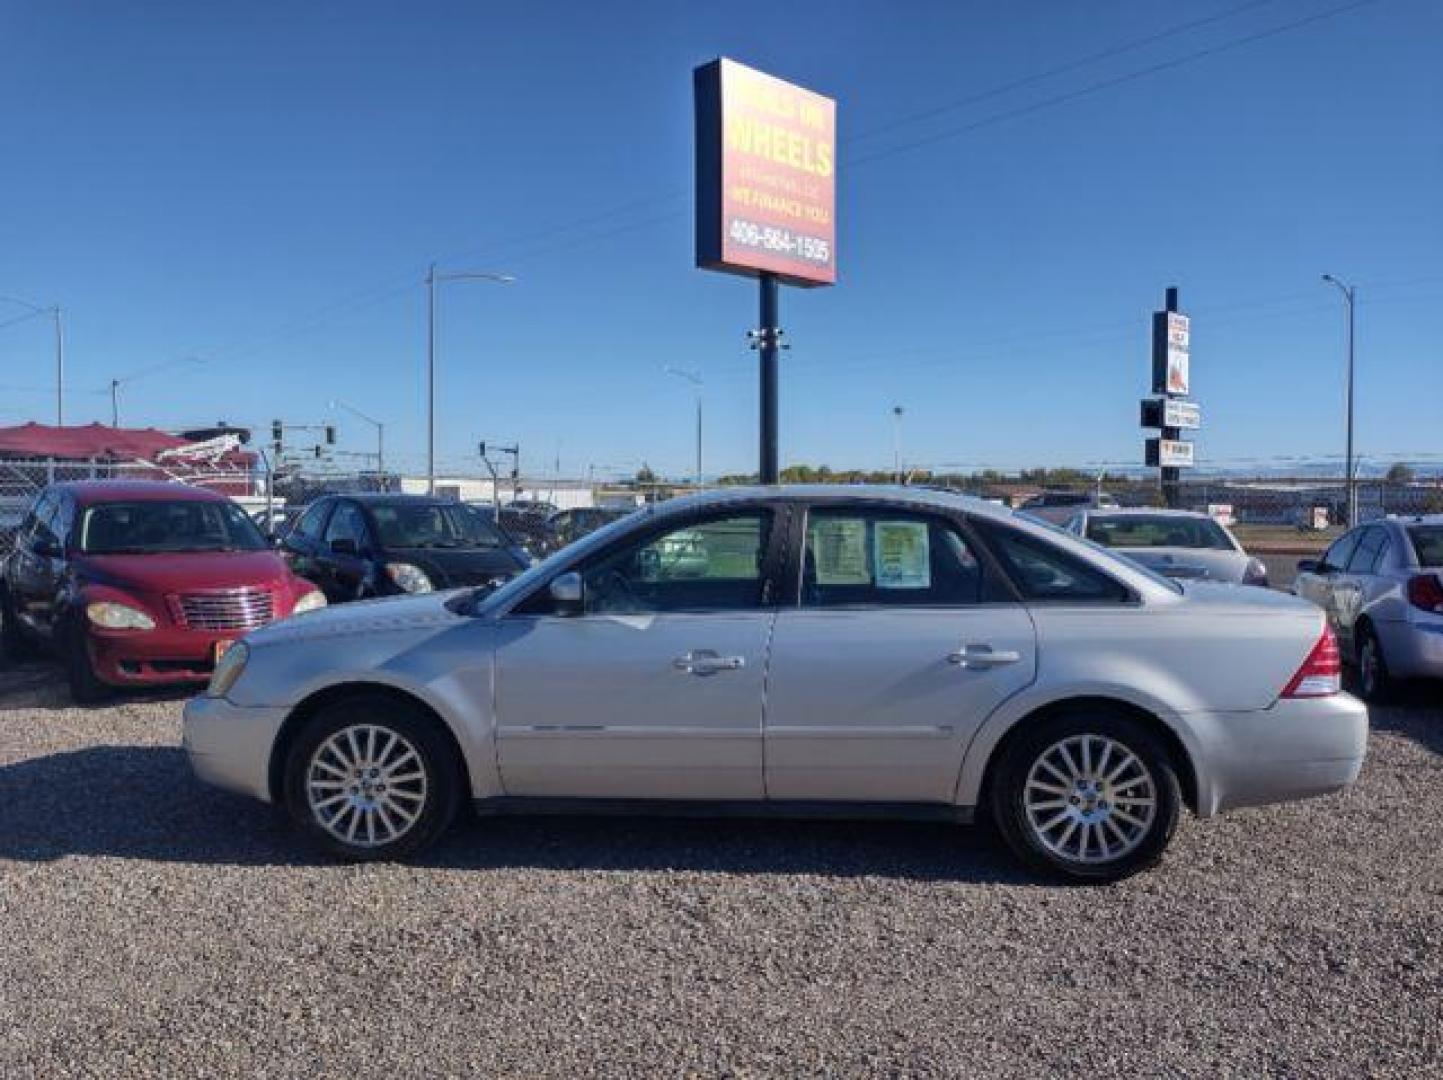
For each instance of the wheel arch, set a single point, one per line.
(338, 692)
(1156, 725)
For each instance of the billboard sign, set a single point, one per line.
(766, 170)
(1169, 453)
(1172, 336)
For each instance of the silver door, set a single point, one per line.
(655, 691)
(876, 686)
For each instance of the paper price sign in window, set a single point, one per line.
(900, 555)
(839, 546)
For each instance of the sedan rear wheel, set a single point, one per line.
(371, 778)
(1375, 683)
(1091, 797)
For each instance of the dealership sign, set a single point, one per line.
(1169, 453)
(1172, 334)
(766, 170)
(1171, 413)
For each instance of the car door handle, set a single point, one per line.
(707, 662)
(980, 657)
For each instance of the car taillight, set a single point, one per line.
(1321, 673)
(1426, 591)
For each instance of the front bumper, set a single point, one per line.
(1296, 749)
(229, 746)
(162, 657)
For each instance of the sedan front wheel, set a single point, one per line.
(370, 778)
(1093, 797)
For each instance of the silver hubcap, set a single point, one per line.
(1089, 799)
(366, 785)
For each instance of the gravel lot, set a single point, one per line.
(154, 926)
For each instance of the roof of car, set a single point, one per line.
(840, 493)
(90, 492)
(1147, 511)
(370, 497)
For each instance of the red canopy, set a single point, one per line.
(86, 442)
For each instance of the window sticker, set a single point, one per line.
(900, 555)
(839, 547)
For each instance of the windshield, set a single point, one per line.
(162, 526)
(524, 582)
(1159, 530)
(1427, 544)
(434, 525)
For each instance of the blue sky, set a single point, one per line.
(262, 185)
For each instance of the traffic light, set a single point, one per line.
(277, 432)
(330, 434)
(318, 451)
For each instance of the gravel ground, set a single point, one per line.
(152, 926)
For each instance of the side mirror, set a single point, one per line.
(567, 594)
(1309, 566)
(343, 546)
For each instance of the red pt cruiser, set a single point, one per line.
(140, 584)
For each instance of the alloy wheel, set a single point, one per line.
(366, 785)
(1089, 799)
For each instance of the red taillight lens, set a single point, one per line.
(1321, 673)
(1426, 591)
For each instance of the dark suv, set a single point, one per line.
(356, 547)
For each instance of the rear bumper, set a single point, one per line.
(1296, 749)
(1413, 650)
(230, 746)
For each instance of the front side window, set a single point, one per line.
(434, 525)
(714, 565)
(1157, 530)
(1366, 554)
(883, 557)
(1043, 571)
(347, 524)
(309, 526)
(157, 526)
(1337, 556)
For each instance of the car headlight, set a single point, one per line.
(113, 616)
(408, 577)
(1256, 573)
(310, 602)
(228, 669)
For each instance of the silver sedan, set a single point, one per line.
(1177, 543)
(1381, 586)
(795, 651)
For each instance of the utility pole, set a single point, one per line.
(1350, 483)
(54, 312)
(115, 403)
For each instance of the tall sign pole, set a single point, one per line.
(1169, 411)
(765, 202)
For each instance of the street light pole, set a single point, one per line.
(380, 433)
(897, 411)
(693, 377)
(432, 277)
(1350, 489)
(54, 312)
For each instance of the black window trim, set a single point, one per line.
(1131, 597)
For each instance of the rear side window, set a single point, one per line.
(1427, 544)
(1043, 571)
(310, 523)
(1370, 548)
(1337, 556)
(881, 557)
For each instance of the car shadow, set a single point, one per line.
(1416, 713)
(142, 802)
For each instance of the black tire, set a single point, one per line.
(86, 688)
(13, 639)
(1375, 682)
(441, 789)
(1086, 811)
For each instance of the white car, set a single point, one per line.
(842, 651)
(1176, 543)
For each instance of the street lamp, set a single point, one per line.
(1350, 489)
(432, 277)
(897, 411)
(124, 380)
(380, 433)
(54, 312)
(693, 377)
